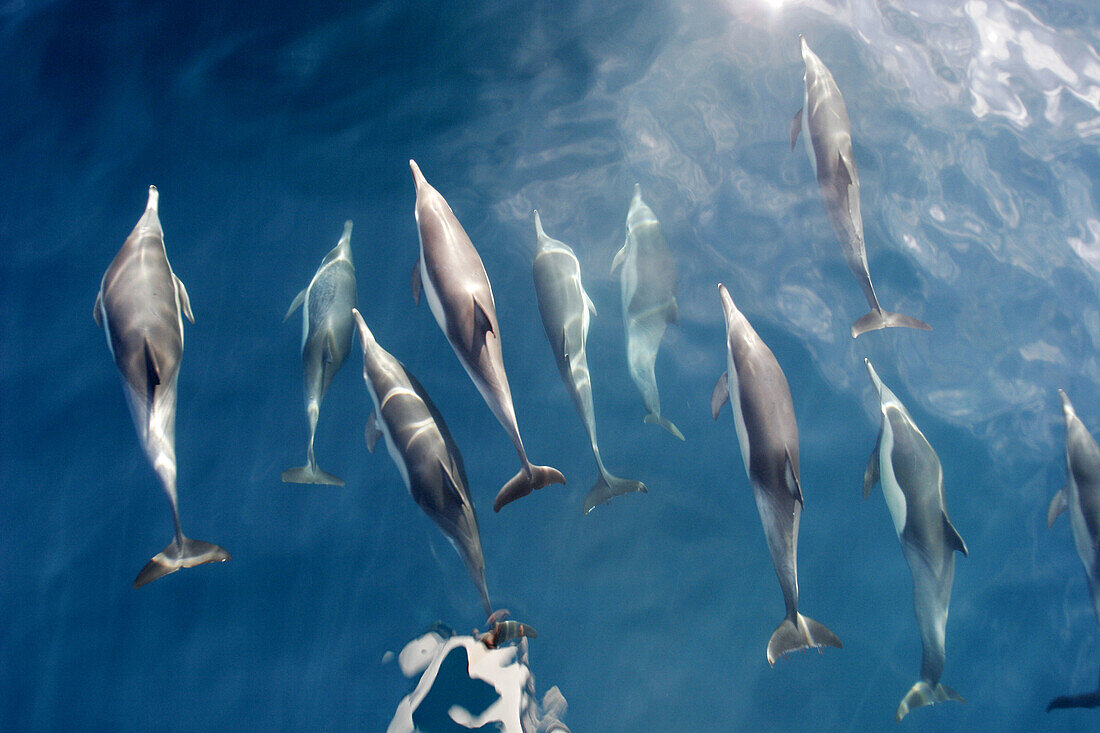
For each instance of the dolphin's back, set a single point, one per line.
(331, 297)
(1084, 464)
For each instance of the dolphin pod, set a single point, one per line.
(566, 311)
(1081, 498)
(763, 413)
(909, 471)
(648, 288)
(828, 142)
(326, 305)
(453, 277)
(140, 306)
(423, 450)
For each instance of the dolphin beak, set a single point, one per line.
(538, 226)
(365, 336)
(637, 194)
(874, 377)
(1067, 406)
(418, 177)
(728, 307)
(154, 198)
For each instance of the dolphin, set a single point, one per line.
(909, 471)
(453, 277)
(1081, 496)
(566, 312)
(140, 306)
(763, 414)
(828, 142)
(326, 305)
(648, 287)
(424, 451)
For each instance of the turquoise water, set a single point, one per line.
(264, 128)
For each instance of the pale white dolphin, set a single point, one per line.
(828, 142)
(648, 289)
(763, 413)
(423, 451)
(326, 305)
(141, 305)
(1081, 496)
(911, 476)
(566, 312)
(454, 280)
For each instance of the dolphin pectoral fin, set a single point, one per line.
(870, 476)
(175, 556)
(620, 257)
(801, 633)
(185, 301)
(416, 284)
(664, 422)
(954, 541)
(1057, 505)
(607, 487)
(372, 432)
(793, 484)
(796, 126)
(97, 316)
(720, 395)
(296, 304)
(523, 483)
(922, 694)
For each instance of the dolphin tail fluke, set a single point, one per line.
(922, 694)
(607, 487)
(310, 475)
(800, 633)
(182, 553)
(875, 320)
(664, 422)
(527, 480)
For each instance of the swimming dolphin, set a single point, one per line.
(763, 413)
(424, 451)
(912, 481)
(829, 144)
(326, 305)
(566, 311)
(1081, 495)
(453, 277)
(648, 288)
(140, 306)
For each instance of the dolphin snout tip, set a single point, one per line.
(1067, 406)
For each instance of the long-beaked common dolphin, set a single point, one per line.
(1081, 496)
(566, 313)
(424, 451)
(648, 288)
(828, 142)
(453, 277)
(763, 413)
(326, 305)
(141, 305)
(909, 471)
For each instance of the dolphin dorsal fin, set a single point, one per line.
(844, 170)
(588, 302)
(152, 369)
(1057, 505)
(296, 304)
(720, 395)
(793, 483)
(371, 433)
(450, 483)
(796, 126)
(672, 313)
(96, 314)
(871, 476)
(185, 301)
(416, 281)
(954, 541)
(482, 325)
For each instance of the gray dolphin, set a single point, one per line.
(909, 471)
(140, 306)
(566, 311)
(648, 288)
(326, 305)
(763, 413)
(424, 451)
(1081, 495)
(829, 144)
(453, 277)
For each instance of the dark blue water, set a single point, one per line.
(265, 127)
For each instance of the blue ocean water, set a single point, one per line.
(976, 129)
